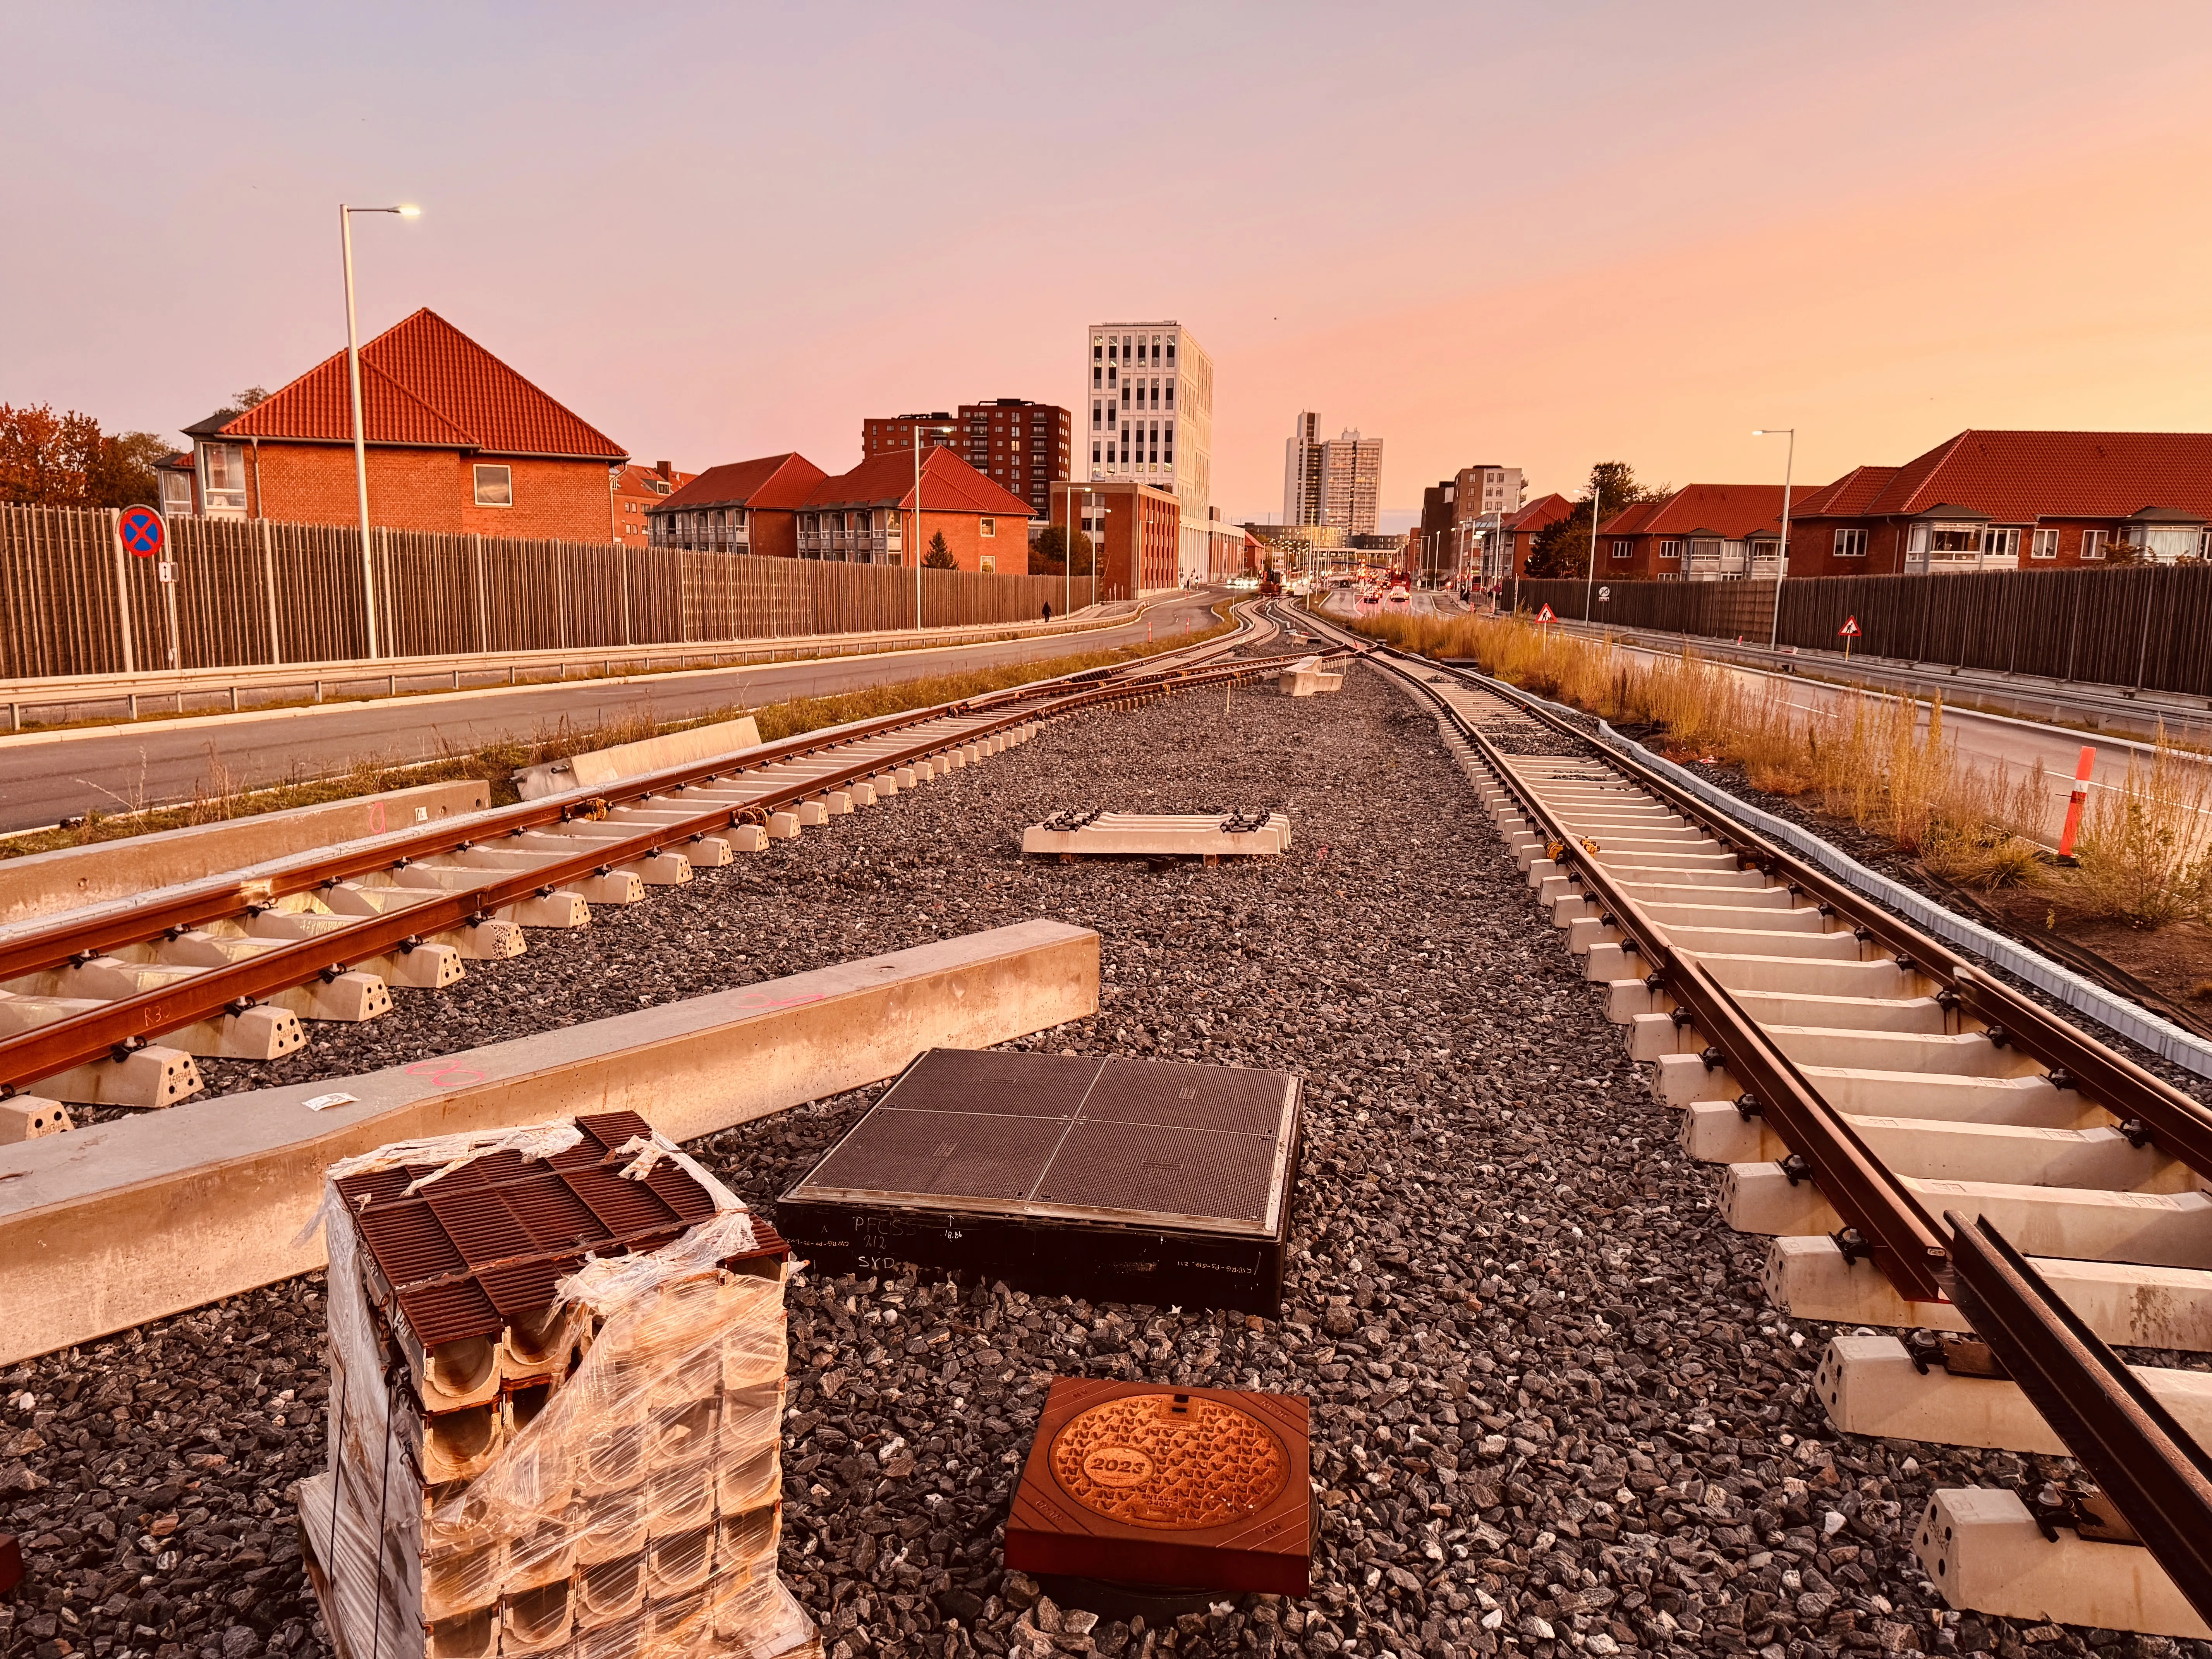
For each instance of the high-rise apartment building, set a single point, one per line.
(1151, 414)
(1337, 482)
(1019, 445)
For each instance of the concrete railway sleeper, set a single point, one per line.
(1927, 1148)
(114, 1009)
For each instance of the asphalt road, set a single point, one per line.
(44, 780)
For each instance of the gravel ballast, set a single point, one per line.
(1551, 1412)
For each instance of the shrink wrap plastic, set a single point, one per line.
(624, 1508)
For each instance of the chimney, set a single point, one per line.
(665, 470)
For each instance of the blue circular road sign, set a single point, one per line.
(142, 531)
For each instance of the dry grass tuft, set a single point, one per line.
(2146, 847)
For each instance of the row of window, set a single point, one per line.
(1130, 349)
(1998, 542)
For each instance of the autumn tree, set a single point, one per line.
(64, 460)
(1562, 548)
(1048, 557)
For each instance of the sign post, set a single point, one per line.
(1850, 631)
(1543, 618)
(145, 534)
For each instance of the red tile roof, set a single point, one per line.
(1631, 520)
(771, 482)
(1731, 510)
(949, 484)
(1845, 498)
(2018, 476)
(425, 384)
(1544, 510)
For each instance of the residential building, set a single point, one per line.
(2034, 501)
(1456, 523)
(1701, 532)
(456, 441)
(1152, 419)
(864, 516)
(634, 491)
(1135, 530)
(1332, 481)
(740, 506)
(1427, 546)
(1516, 538)
(1020, 444)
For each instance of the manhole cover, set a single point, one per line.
(1169, 1462)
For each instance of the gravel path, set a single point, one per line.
(1551, 1412)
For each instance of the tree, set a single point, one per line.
(940, 557)
(1050, 556)
(1562, 548)
(246, 399)
(64, 460)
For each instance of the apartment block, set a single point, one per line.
(1151, 421)
(1020, 444)
(1336, 482)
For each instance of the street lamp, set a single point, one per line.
(1782, 552)
(353, 375)
(1597, 503)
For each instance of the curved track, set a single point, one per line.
(1930, 1150)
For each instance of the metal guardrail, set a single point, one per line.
(521, 668)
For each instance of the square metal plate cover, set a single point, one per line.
(1119, 1180)
(1139, 1483)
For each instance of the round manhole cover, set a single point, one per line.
(1168, 1461)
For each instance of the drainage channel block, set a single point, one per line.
(1115, 1179)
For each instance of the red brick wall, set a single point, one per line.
(775, 535)
(426, 489)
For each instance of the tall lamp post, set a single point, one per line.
(359, 438)
(1782, 552)
(914, 539)
(1597, 501)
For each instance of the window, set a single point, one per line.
(1954, 538)
(2002, 544)
(990, 563)
(1850, 544)
(1170, 351)
(986, 528)
(1094, 454)
(222, 477)
(1171, 392)
(2044, 546)
(1096, 351)
(1623, 549)
(176, 494)
(495, 485)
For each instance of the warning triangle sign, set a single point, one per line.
(1546, 616)
(1851, 628)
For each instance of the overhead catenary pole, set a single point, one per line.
(360, 436)
(1781, 550)
(915, 540)
(1597, 500)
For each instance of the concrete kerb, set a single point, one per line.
(104, 1228)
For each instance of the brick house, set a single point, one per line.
(636, 490)
(861, 516)
(1135, 530)
(740, 506)
(456, 441)
(1702, 533)
(2006, 500)
(1517, 535)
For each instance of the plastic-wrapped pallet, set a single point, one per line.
(556, 1394)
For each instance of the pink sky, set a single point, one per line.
(1533, 235)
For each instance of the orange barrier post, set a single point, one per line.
(2074, 803)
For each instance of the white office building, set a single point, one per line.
(1148, 417)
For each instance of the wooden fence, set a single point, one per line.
(2143, 626)
(250, 593)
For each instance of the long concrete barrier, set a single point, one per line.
(107, 1227)
(41, 884)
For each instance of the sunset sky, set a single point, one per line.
(1538, 234)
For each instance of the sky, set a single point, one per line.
(1526, 234)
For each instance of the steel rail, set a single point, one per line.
(67, 941)
(2154, 1471)
(2146, 1462)
(1883, 1219)
(118, 1027)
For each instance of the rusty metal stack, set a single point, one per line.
(557, 1362)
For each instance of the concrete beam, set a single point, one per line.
(1981, 1549)
(2124, 1303)
(1870, 1385)
(45, 884)
(105, 1227)
(634, 760)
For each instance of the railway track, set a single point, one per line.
(1933, 1153)
(113, 1008)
